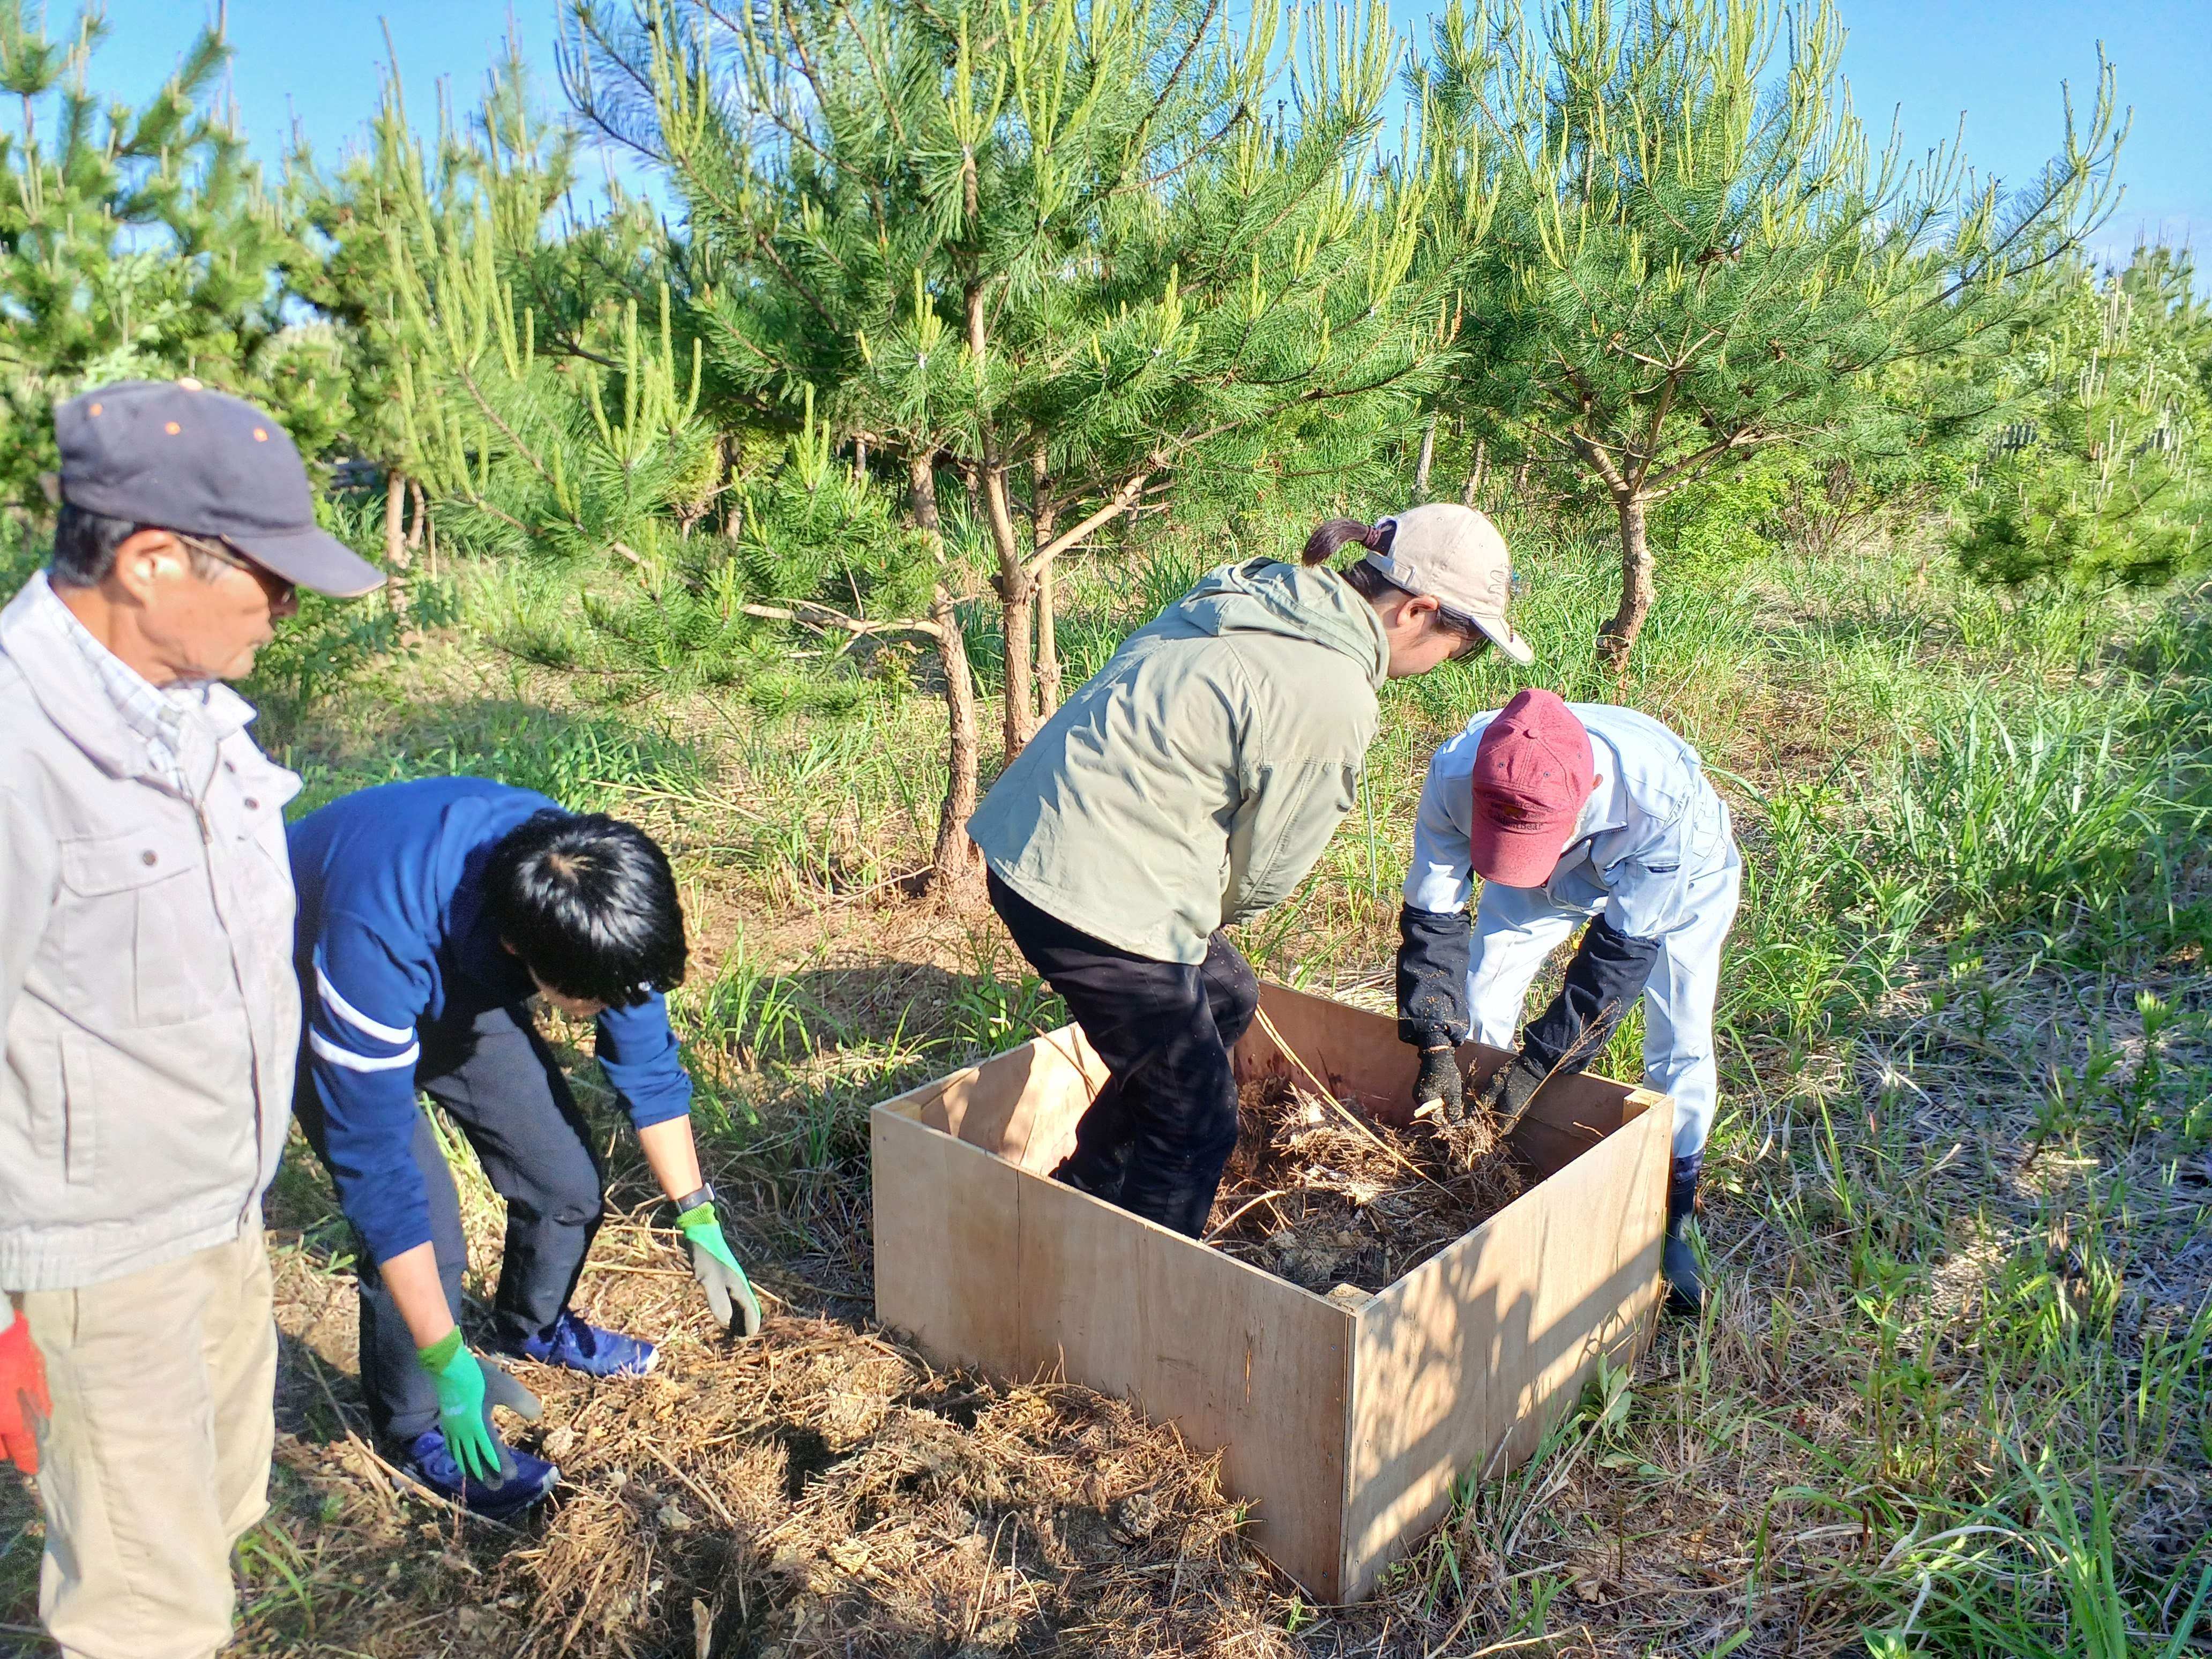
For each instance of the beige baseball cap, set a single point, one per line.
(1455, 555)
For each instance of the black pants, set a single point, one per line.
(499, 1082)
(1155, 1139)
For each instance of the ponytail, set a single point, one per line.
(1333, 534)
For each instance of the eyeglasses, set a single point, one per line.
(222, 553)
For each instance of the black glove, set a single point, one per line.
(1605, 976)
(1440, 1085)
(1510, 1091)
(1432, 951)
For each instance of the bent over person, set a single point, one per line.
(1188, 785)
(1573, 813)
(151, 1017)
(431, 914)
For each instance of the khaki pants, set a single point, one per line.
(155, 1461)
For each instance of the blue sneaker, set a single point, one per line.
(429, 1464)
(573, 1346)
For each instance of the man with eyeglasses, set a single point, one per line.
(151, 1014)
(1571, 813)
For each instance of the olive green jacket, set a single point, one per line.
(1192, 783)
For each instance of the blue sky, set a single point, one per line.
(1926, 60)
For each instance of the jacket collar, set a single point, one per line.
(32, 635)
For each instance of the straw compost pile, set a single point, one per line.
(1319, 1194)
(819, 1491)
(827, 1494)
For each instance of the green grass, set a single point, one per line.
(1954, 1392)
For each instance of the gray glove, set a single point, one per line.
(501, 1388)
(728, 1292)
(468, 1386)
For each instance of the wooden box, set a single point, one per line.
(1344, 1426)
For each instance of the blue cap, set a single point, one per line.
(173, 455)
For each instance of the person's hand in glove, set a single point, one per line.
(23, 1393)
(1440, 1090)
(469, 1386)
(728, 1293)
(1510, 1090)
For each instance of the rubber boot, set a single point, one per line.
(1686, 1287)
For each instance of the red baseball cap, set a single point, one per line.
(1533, 771)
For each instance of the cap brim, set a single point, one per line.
(313, 559)
(1523, 856)
(1503, 636)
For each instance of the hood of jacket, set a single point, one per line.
(1265, 596)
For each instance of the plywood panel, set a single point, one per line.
(1463, 1363)
(947, 1238)
(1574, 1114)
(1237, 1359)
(1356, 1053)
(1345, 1432)
(1023, 1104)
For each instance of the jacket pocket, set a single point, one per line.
(160, 1120)
(79, 1116)
(142, 942)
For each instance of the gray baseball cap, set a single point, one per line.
(174, 455)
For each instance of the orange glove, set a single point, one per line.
(22, 1395)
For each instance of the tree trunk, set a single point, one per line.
(418, 515)
(396, 555)
(1637, 590)
(1521, 482)
(1047, 649)
(1428, 456)
(1043, 518)
(732, 503)
(956, 869)
(1472, 493)
(860, 460)
(1017, 593)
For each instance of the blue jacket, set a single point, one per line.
(392, 937)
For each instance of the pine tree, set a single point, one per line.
(2101, 477)
(1054, 245)
(395, 210)
(1684, 265)
(136, 243)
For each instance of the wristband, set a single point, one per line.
(692, 1200)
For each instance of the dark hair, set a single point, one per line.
(589, 903)
(1364, 579)
(1332, 535)
(84, 546)
(86, 542)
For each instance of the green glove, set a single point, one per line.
(469, 1386)
(715, 1268)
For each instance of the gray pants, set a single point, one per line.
(498, 1080)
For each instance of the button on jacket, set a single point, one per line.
(146, 987)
